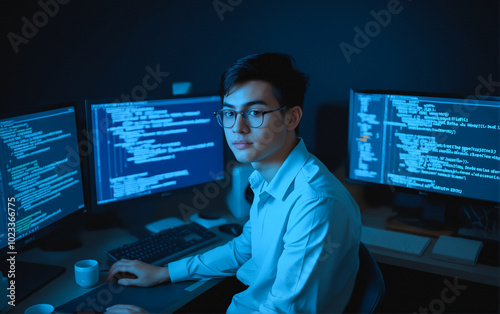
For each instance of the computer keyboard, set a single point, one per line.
(165, 246)
(394, 241)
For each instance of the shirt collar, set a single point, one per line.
(282, 180)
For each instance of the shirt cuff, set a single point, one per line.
(178, 270)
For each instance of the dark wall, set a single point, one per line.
(100, 49)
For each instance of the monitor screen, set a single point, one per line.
(40, 174)
(434, 144)
(149, 147)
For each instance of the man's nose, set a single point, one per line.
(240, 125)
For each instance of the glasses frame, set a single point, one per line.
(244, 114)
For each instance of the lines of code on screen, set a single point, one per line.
(436, 144)
(146, 147)
(40, 168)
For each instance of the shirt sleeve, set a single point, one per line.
(222, 261)
(319, 259)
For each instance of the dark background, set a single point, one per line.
(101, 49)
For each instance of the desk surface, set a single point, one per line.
(478, 273)
(63, 288)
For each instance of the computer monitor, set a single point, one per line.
(40, 184)
(146, 149)
(429, 144)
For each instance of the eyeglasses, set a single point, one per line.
(253, 118)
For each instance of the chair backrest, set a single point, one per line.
(369, 289)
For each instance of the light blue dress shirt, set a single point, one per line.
(299, 250)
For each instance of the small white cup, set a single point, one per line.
(86, 273)
(40, 309)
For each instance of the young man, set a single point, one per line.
(299, 250)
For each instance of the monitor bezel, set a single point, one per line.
(152, 198)
(76, 216)
(432, 195)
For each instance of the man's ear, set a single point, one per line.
(292, 118)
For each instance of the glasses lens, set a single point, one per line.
(254, 118)
(226, 117)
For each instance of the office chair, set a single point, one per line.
(369, 288)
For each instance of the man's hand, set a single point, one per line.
(137, 273)
(121, 308)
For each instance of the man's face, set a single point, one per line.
(262, 144)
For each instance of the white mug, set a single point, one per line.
(87, 273)
(40, 309)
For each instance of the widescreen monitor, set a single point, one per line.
(40, 186)
(145, 149)
(439, 145)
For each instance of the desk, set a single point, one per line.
(63, 288)
(478, 273)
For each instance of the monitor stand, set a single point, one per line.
(418, 227)
(30, 277)
(102, 221)
(419, 215)
(58, 243)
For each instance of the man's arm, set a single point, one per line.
(319, 258)
(219, 262)
(222, 261)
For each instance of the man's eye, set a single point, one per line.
(255, 113)
(229, 113)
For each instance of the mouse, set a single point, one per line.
(233, 229)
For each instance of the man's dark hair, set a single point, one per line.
(278, 69)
